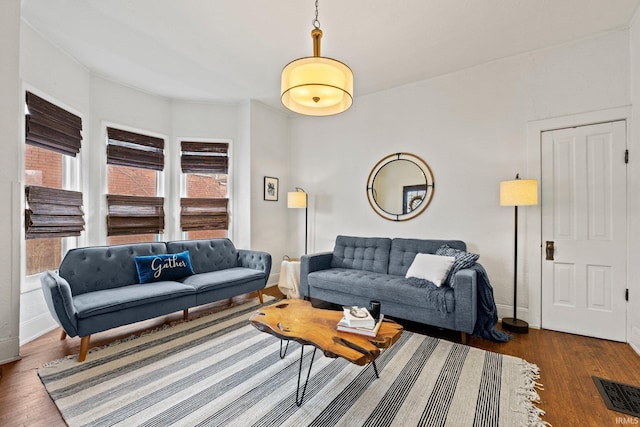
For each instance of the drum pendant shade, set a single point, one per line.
(316, 85)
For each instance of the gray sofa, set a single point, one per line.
(361, 269)
(98, 288)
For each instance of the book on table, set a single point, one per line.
(343, 326)
(358, 317)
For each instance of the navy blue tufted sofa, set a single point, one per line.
(97, 288)
(361, 269)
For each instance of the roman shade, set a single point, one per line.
(52, 212)
(51, 127)
(204, 214)
(134, 150)
(206, 157)
(134, 215)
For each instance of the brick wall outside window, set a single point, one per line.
(206, 185)
(42, 168)
(133, 182)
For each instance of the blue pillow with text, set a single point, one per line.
(154, 268)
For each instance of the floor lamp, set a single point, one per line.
(517, 192)
(297, 200)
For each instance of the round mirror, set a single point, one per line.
(400, 187)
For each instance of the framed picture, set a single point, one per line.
(412, 197)
(271, 189)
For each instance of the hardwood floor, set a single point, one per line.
(566, 363)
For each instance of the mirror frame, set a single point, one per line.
(429, 182)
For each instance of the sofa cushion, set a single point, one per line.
(403, 251)
(104, 267)
(154, 268)
(376, 286)
(204, 282)
(207, 255)
(434, 268)
(111, 300)
(362, 253)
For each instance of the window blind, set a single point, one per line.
(134, 150)
(134, 215)
(204, 214)
(51, 127)
(204, 157)
(51, 212)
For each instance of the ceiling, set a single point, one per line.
(231, 50)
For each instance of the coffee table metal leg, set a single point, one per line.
(375, 369)
(299, 398)
(282, 355)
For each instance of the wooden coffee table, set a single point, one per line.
(296, 320)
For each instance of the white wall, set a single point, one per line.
(10, 115)
(242, 181)
(634, 190)
(55, 74)
(269, 157)
(471, 128)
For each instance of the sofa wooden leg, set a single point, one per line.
(185, 314)
(84, 348)
(260, 296)
(63, 335)
(463, 337)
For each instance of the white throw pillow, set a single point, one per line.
(433, 268)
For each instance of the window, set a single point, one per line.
(135, 212)
(204, 211)
(53, 213)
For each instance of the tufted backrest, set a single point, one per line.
(207, 255)
(362, 253)
(403, 251)
(104, 267)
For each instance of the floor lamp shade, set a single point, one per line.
(296, 199)
(517, 192)
(299, 200)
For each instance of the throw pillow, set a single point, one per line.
(154, 268)
(463, 260)
(433, 268)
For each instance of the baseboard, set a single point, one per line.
(274, 279)
(9, 350)
(634, 340)
(521, 313)
(36, 327)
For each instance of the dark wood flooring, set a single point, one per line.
(566, 363)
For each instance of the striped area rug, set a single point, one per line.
(219, 370)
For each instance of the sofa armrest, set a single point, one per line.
(311, 263)
(59, 299)
(257, 260)
(465, 289)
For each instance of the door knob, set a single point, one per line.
(550, 250)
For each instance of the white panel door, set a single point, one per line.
(584, 205)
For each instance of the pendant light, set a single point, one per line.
(316, 85)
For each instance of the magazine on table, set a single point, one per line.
(343, 326)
